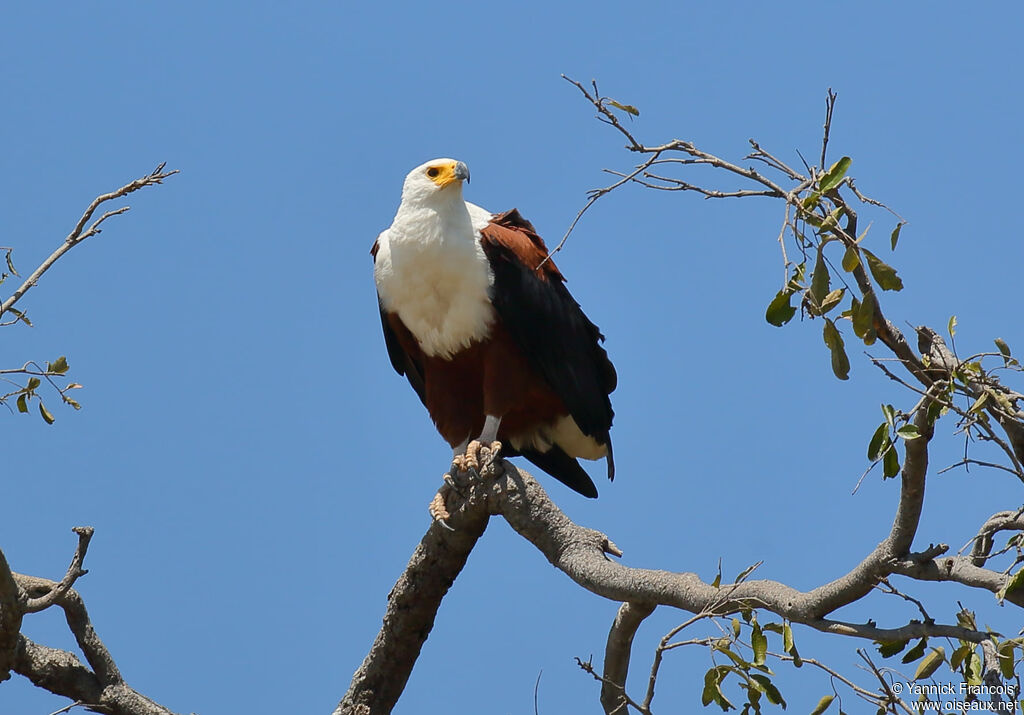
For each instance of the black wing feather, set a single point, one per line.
(563, 468)
(401, 360)
(560, 341)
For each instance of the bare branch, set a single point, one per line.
(958, 569)
(100, 686)
(830, 105)
(74, 571)
(617, 653)
(594, 196)
(890, 696)
(412, 606)
(12, 610)
(79, 234)
(61, 673)
(1002, 521)
(587, 666)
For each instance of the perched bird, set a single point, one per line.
(478, 319)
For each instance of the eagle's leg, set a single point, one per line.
(488, 442)
(468, 459)
(467, 456)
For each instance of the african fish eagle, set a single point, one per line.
(478, 319)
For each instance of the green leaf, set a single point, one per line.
(908, 432)
(973, 669)
(887, 649)
(769, 689)
(811, 200)
(916, 652)
(832, 300)
(1012, 585)
(732, 656)
(59, 366)
(736, 627)
(823, 704)
(952, 325)
(23, 402)
(811, 218)
(627, 108)
(890, 464)
(718, 577)
(1005, 652)
(832, 220)
(779, 310)
(850, 259)
(959, 654)
(966, 619)
(10, 265)
(712, 688)
(879, 442)
(1004, 349)
(890, 415)
(21, 316)
(863, 318)
(759, 643)
(819, 280)
(895, 237)
(45, 413)
(978, 404)
(787, 638)
(930, 663)
(834, 176)
(33, 383)
(884, 274)
(834, 341)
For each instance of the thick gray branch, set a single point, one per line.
(12, 610)
(75, 570)
(957, 569)
(61, 673)
(617, 654)
(99, 686)
(412, 606)
(983, 542)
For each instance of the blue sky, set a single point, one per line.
(257, 474)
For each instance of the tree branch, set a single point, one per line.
(102, 688)
(412, 606)
(12, 611)
(75, 570)
(583, 555)
(617, 653)
(79, 233)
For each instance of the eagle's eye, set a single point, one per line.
(433, 171)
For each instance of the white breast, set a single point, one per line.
(431, 270)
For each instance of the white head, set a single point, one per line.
(436, 182)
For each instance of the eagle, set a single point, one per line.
(477, 317)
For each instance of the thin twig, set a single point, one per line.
(79, 234)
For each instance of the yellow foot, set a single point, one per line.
(439, 504)
(478, 457)
(466, 468)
